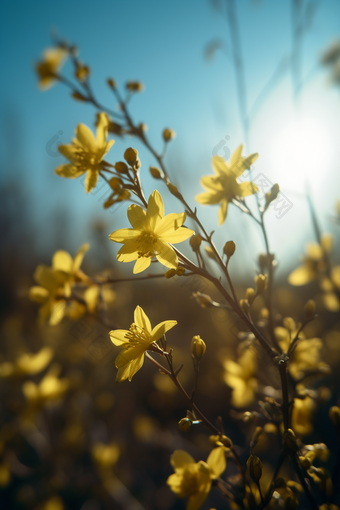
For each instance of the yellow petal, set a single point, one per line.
(70, 151)
(166, 255)
(247, 188)
(331, 301)
(91, 180)
(219, 165)
(38, 294)
(222, 211)
(128, 252)
(210, 182)
(180, 458)
(69, 171)
(62, 261)
(128, 355)
(301, 275)
(123, 234)
(102, 128)
(137, 216)
(170, 223)
(135, 366)
(161, 328)
(48, 277)
(314, 251)
(141, 319)
(208, 198)
(237, 154)
(35, 363)
(117, 336)
(79, 256)
(155, 209)
(57, 312)
(86, 138)
(217, 461)
(177, 236)
(196, 500)
(91, 296)
(141, 264)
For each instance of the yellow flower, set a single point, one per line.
(223, 188)
(192, 480)
(135, 342)
(47, 68)
(86, 153)
(55, 285)
(306, 356)
(240, 377)
(151, 235)
(63, 262)
(50, 387)
(27, 364)
(302, 416)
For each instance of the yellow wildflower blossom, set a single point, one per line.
(135, 341)
(27, 364)
(50, 387)
(240, 377)
(224, 187)
(48, 67)
(63, 262)
(54, 287)
(192, 480)
(86, 153)
(151, 235)
(305, 357)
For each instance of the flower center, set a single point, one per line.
(146, 244)
(136, 335)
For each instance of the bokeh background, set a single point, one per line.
(183, 53)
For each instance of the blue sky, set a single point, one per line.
(162, 44)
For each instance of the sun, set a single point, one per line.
(302, 153)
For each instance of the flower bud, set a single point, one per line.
(310, 309)
(155, 172)
(131, 156)
(203, 300)
(115, 183)
(134, 86)
(334, 414)
(79, 97)
(221, 441)
(305, 462)
(195, 242)
(121, 167)
(174, 190)
(248, 417)
(198, 347)
(138, 164)
(184, 424)
(254, 466)
(170, 273)
(112, 83)
(229, 249)
(168, 134)
(290, 440)
(250, 295)
(261, 281)
(272, 195)
(289, 324)
(256, 435)
(244, 305)
(82, 72)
